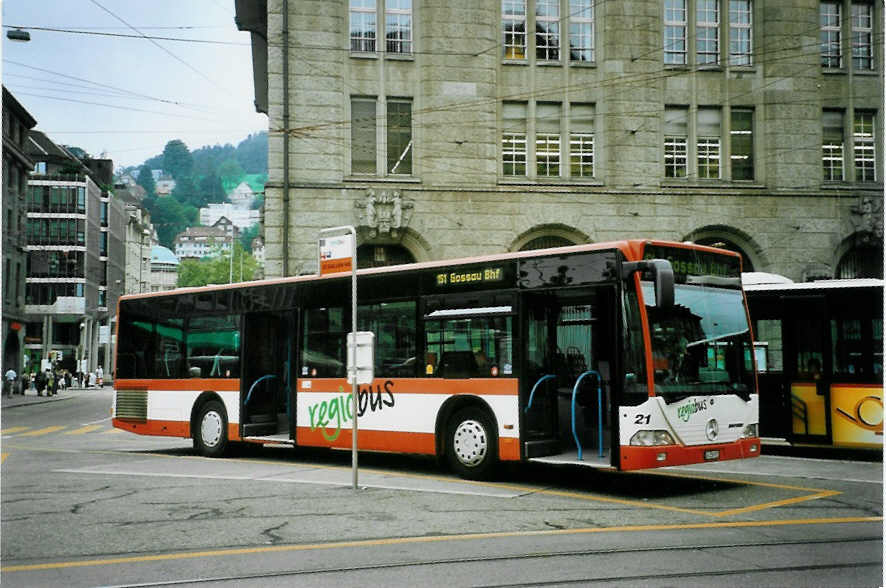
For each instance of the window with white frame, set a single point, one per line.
(863, 146)
(741, 144)
(676, 140)
(675, 32)
(581, 140)
(581, 30)
(708, 143)
(547, 139)
(513, 139)
(398, 26)
(862, 35)
(399, 131)
(547, 30)
(740, 32)
(363, 136)
(829, 17)
(832, 145)
(363, 15)
(707, 32)
(513, 17)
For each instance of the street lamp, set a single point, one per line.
(18, 36)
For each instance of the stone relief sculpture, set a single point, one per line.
(867, 219)
(383, 213)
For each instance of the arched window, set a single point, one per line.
(546, 242)
(382, 255)
(719, 242)
(861, 262)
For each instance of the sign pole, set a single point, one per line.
(352, 369)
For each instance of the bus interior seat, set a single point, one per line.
(457, 364)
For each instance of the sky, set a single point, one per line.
(124, 98)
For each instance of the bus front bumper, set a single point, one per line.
(656, 456)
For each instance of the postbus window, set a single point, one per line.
(768, 345)
(394, 326)
(636, 390)
(324, 345)
(214, 346)
(808, 359)
(468, 346)
(132, 352)
(168, 336)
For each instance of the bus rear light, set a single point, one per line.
(753, 448)
(648, 438)
(750, 431)
(661, 456)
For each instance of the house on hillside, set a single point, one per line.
(241, 196)
(164, 186)
(199, 242)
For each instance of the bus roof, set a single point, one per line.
(816, 285)
(631, 248)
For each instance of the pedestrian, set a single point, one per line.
(9, 381)
(33, 384)
(100, 376)
(50, 383)
(91, 381)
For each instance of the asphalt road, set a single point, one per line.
(86, 505)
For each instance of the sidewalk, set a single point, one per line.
(30, 397)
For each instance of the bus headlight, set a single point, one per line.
(648, 438)
(750, 431)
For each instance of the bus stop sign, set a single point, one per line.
(364, 363)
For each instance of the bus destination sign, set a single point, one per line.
(473, 276)
(691, 262)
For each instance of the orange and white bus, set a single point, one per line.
(819, 348)
(624, 355)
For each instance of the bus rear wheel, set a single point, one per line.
(471, 443)
(211, 434)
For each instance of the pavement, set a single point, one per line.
(30, 397)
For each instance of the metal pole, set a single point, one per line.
(231, 269)
(352, 369)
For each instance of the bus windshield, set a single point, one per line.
(702, 344)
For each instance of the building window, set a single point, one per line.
(363, 26)
(547, 30)
(40, 167)
(829, 16)
(513, 139)
(399, 137)
(581, 30)
(363, 141)
(707, 32)
(103, 244)
(708, 143)
(581, 140)
(740, 32)
(398, 26)
(832, 145)
(675, 142)
(547, 139)
(513, 17)
(675, 32)
(741, 135)
(862, 36)
(863, 147)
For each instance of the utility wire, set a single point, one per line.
(123, 35)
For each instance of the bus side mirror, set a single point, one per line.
(662, 274)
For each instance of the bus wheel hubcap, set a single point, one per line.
(470, 443)
(211, 429)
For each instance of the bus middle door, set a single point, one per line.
(808, 367)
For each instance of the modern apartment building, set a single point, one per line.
(16, 166)
(447, 128)
(75, 272)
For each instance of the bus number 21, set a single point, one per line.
(642, 419)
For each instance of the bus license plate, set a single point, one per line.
(712, 454)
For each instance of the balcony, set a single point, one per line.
(67, 178)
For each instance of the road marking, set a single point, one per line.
(430, 539)
(112, 431)
(44, 431)
(12, 430)
(3, 457)
(98, 421)
(84, 430)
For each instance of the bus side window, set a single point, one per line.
(469, 347)
(324, 346)
(395, 346)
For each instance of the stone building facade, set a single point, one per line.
(17, 121)
(441, 128)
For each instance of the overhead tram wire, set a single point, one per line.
(161, 47)
(125, 36)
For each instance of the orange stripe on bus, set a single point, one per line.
(185, 384)
(167, 428)
(478, 386)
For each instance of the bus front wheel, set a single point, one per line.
(471, 443)
(211, 436)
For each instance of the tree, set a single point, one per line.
(187, 193)
(211, 188)
(218, 269)
(231, 170)
(145, 179)
(247, 236)
(170, 218)
(177, 160)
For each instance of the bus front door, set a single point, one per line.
(566, 344)
(807, 368)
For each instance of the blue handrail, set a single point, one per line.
(254, 384)
(532, 394)
(599, 411)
